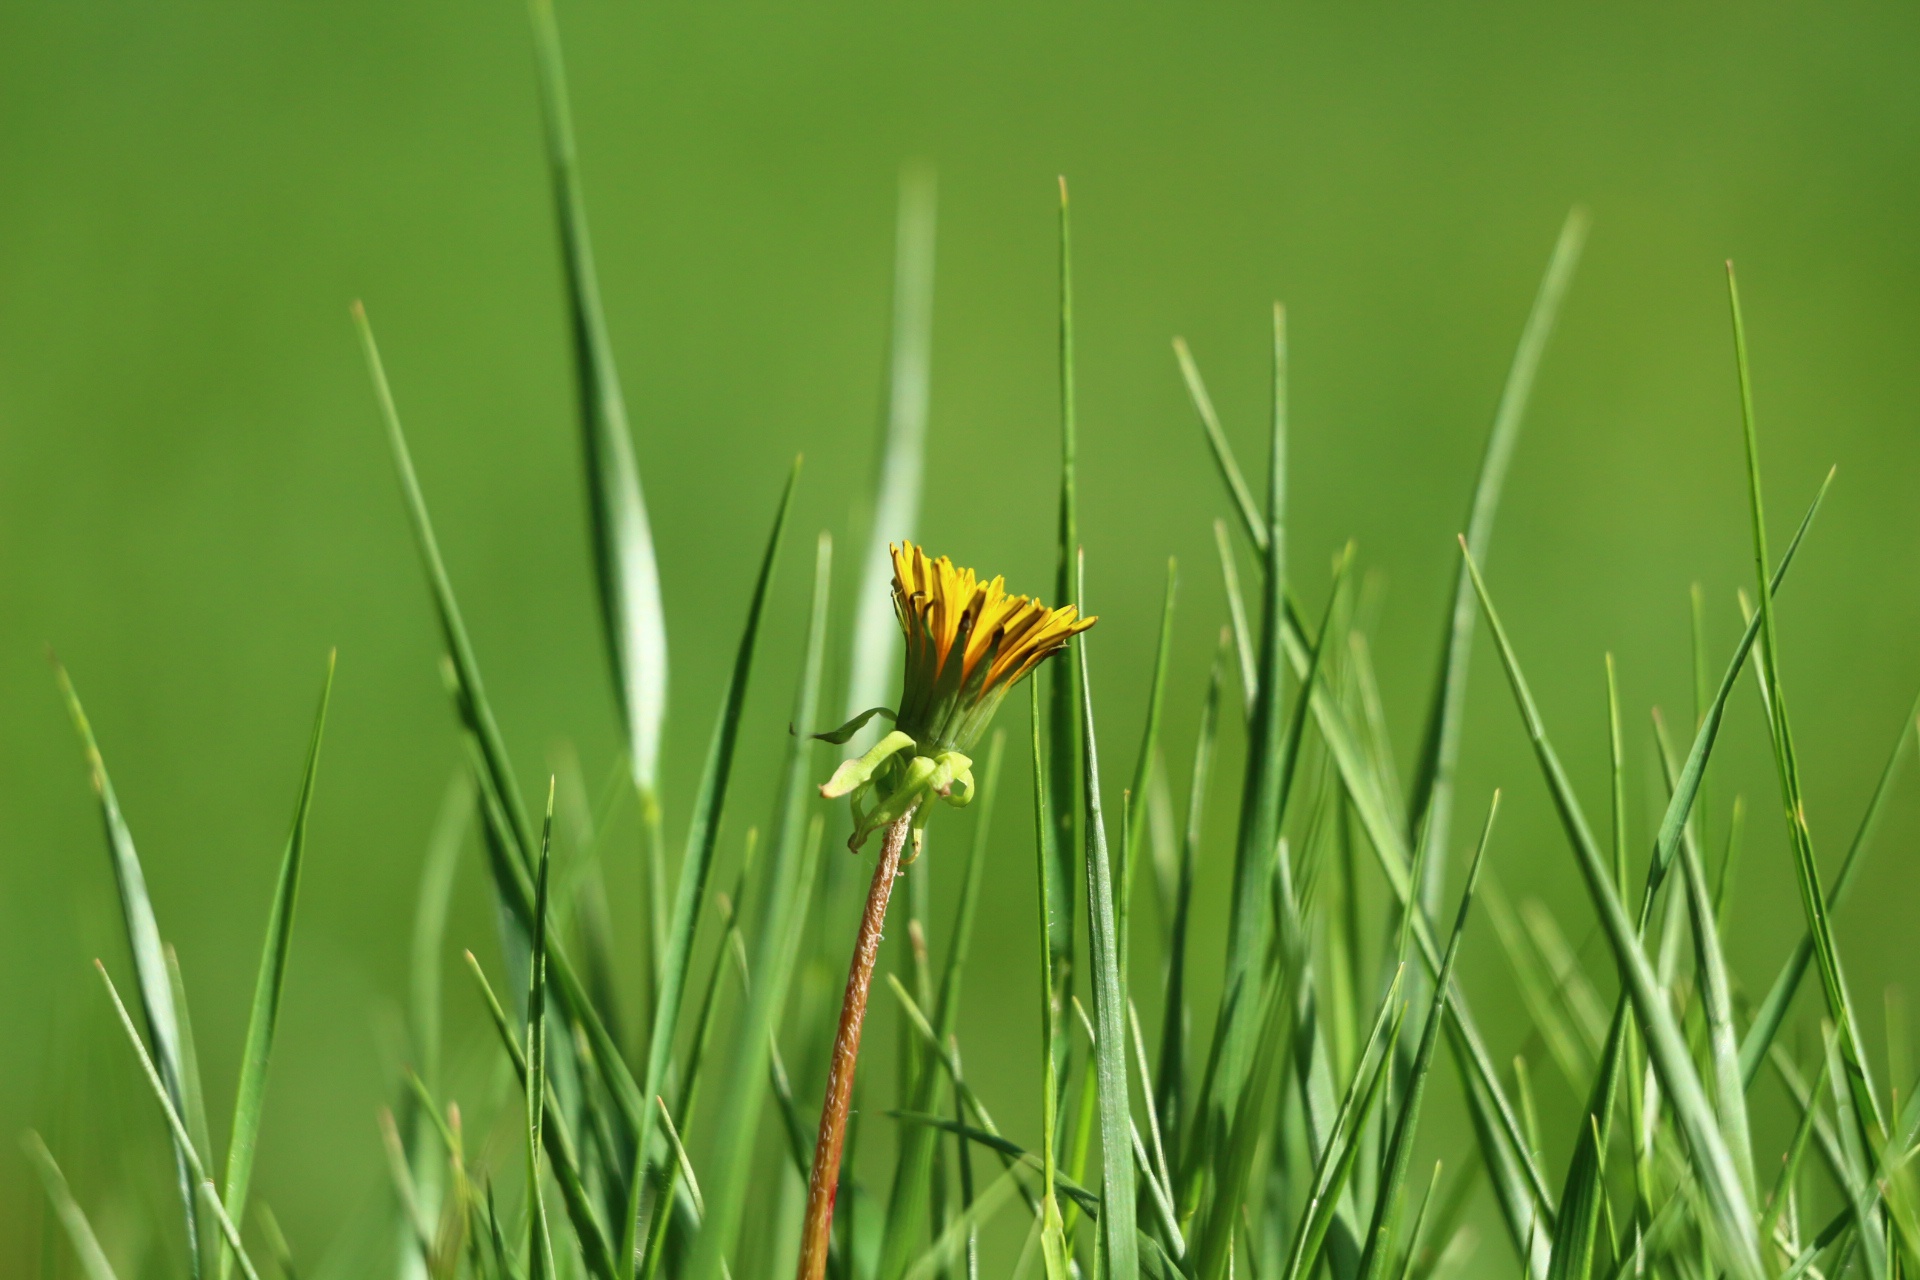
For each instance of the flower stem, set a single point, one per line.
(817, 1228)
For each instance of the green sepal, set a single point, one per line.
(844, 734)
(859, 771)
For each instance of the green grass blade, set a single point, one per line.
(1052, 1225)
(430, 922)
(702, 832)
(1243, 504)
(250, 1097)
(902, 461)
(1134, 841)
(1399, 1158)
(143, 947)
(1065, 746)
(1773, 1010)
(626, 572)
(182, 1143)
(1807, 873)
(1712, 1163)
(954, 1239)
(777, 934)
(1796, 1154)
(534, 1079)
(1109, 1007)
(73, 1219)
(194, 1098)
(1237, 618)
(1430, 805)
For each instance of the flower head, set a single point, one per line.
(968, 643)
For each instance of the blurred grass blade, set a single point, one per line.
(1134, 842)
(702, 831)
(534, 1079)
(263, 1020)
(144, 948)
(182, 1143)
(783, 912)
(430, 922)
(937, 1259)
(1243, 504)
(1796, 1152)
(73, 1219)
(902, 461)
(1430, 806)
(1110, 1014)
(194, 1110)
(1399, 1154)
(1713, 1165)
(626, 572)
(1237, 618)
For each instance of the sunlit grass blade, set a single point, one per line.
(183, 1144)
(626, 572)
(1110, 1015)
(263, 1020)
(777, 934)
(1712, 1163)
(1389, 1201)
(143, 947)
(902, 462)
(73, 1219)
(1430, 804)
(1859, 1081)
(702, 831)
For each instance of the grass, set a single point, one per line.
(1275, 1132)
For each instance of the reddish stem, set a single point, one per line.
(817, 1229)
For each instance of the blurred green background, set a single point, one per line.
(195, 501)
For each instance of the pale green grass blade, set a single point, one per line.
(1417, 1234)
(902, 463)
(1109, 1007)
(430, 921)
(1773, 1009)
(1796, 1153)
(777, 938)
(73, 1219)
(534, 1079)
(250, 1096)
(1065, 745)
(1237, 618)
(1134, 840)
(1712, 1163)
(194, 1099)
(1807, 873)
(143, 947)
(1243, 504)
(681, 1161)
(1539, 993)
(183, 1144)
(702, 832)
(953, 1240)
(1861, 1188)
(626, 572)
(1583, 1198)
(1388, 1203)
(1430, 804)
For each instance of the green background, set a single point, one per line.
(195, 501)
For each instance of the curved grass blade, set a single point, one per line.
(73, 1219)
(1431, 802)
(1711, 1160)
(250, 1097)
(902, 461)
(151, 983)
(783, 914)
(632, 617)
(1399, 1157)
(702, 832)
(1243, 504)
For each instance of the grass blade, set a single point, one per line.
(1134, 839)
(783, 914)
(534, 1078)
(1053, 1247)
(1431, 807)
(626, 572)
(1237, 617)
(73, 1219)
(1065, 745)
(902, 461)
(250, 1097)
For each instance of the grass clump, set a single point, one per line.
(1273, 1133)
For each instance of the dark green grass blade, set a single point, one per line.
(632, 618)
(1430, 806)
(143, 947)
(702, 832)
(1388, 1203)
(250, 1096)
(902, 461)
(1052, 1226)
(1134, 841)
(777, 938)
(1712, 1163)
(1065, 746)
(534, 1079)
(1110, 1013)
(913, 1169)
(73, 1219)
(183, 1144)
(1773, 1010)
(1807, 873)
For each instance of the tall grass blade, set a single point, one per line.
(1431, 806)
(1065, 746)
(1134, 841)
(194, 1110)
(73, 1219)
(777, 939)
(632, 617)
(250, 1096)
(902, 461)
(1244, 505)
(534, 1081)
(1053, 1245)
(1237, 618)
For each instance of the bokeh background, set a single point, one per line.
(195, 501)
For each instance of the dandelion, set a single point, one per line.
(968, 643)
